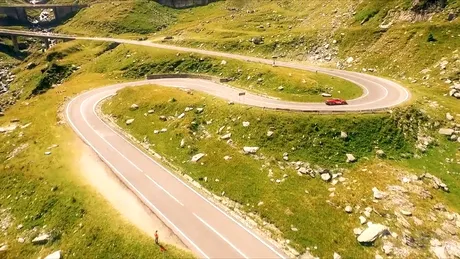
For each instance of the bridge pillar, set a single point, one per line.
(47, 43)
(22, 14)
(62, 12)
(15, 43)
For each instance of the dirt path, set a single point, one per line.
(120, 197)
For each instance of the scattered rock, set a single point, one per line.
(31, 65)
(3, 248)
(380, 153)
(246, 124)
(406, 213)
(227, 158)
(378, 194)
(437, 183)
(182, 115)
(163, 130)
(182, 143)
(151, 111)
(55, 255)
(373, 232)
(362, 220)
(163, 118)
(449, 117)
(348, 209)
(226, 136)
(197, 157)
(223, 62)
(41, 239)
(326, 176)
(199, 110)
(439, 252)
(337, 256)
(446, 132)
(357, 231)
(281, 88)
(129, 122)
(20, 226)
(47, 153)
(250, 150)
(326, 95)
(343, 135)
(134, 107)
(270, 133)
(350, 60)
(260, 203)
(350, 158)
(21, 240)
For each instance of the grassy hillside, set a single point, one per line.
(309, 212)
(46, 194)
(401, 39)
(60, 73)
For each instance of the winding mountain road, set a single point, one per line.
(202, 226)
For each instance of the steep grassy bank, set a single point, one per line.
(407, 41)
(134, 62)
(308, 211)
(45, 193)
(48, 188)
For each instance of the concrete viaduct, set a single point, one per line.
(19, 12)
(45, 37)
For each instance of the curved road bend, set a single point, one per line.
(203, 227)
(379, 93)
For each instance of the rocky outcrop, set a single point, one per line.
(436, 182)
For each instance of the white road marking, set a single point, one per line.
(186, 185)
(128, 182)
(220, 235)
(102, 137)
(163, 189)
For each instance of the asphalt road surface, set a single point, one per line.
(205, 228)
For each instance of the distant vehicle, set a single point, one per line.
(336, 101)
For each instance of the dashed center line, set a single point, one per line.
(220, 235)
(163, 189)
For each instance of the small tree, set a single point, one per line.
(431, 38)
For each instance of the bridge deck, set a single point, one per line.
(43, 6)
(4, 32)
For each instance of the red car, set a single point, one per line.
(336, 101)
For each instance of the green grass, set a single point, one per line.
(82, 223)
(134, 62)
(120, 17)
(307, 138)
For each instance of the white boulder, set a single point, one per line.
(226, 136)
(350, 158)
(41, 239)
(250, 150)
(197, 157)
(446, 132)
(373, 232)
(55, 255)
(129, 122)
